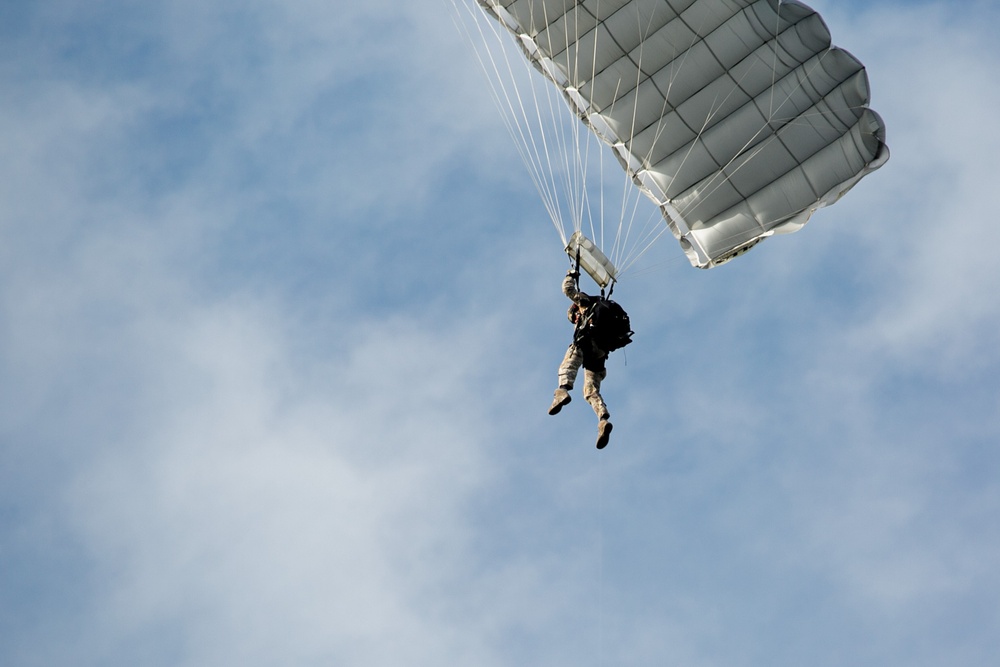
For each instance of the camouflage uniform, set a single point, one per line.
(583, 352)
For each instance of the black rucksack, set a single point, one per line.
(606, 324)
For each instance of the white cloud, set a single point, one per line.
(928, 213)
(256, 512)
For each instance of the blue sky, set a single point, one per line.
(279, 323)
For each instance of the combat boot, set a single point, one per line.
(603, 433)
(561, 398)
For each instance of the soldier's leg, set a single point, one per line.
(567, 377)
(570, 366)
(592, 391)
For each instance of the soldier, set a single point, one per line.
(593, 339)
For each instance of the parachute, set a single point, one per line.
(737, 118)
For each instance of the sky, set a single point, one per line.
(279, 325)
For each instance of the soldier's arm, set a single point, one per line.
(570, 289)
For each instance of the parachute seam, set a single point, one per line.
(769, 118)
(675, 107)
(774, 136)
(801, 162)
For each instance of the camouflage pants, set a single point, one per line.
(591, 379)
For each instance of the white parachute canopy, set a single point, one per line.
(738, 118)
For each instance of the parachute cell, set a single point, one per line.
(738, 118)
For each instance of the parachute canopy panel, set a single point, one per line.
(738, 118)
(592, 260)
